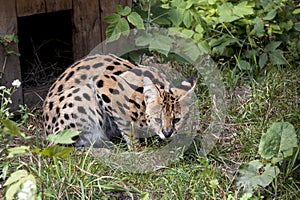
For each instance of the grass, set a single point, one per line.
(252, 107)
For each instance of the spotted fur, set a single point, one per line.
(105, 97)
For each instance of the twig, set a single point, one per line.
(3, 66)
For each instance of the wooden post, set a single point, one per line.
(10, 64)
(86, 21)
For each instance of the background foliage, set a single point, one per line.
(249, 35)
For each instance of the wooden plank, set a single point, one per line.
(86, 33)
(108, 7)
(58, 5)
(10, 64)
(30, 7)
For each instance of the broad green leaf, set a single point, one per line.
(63, 137)
(16, 176)
(272, 46)
(199, 28)
(187, 19)
(296, 11)
(179, 4)
(270, 15)
(243, 65)
(190, 49)
(112, 18)
(278, 142)
(204, 47)
(258, 27)
(123, 12)
(21, 150)
(243, 9)
(188, 33)
(161, 43)
(263, 58)
(143, 40)
(277, 58)
(297, 26)
(226, 13)
(57, 151)
(114, 31)
(176, 16)
(254, 174)
(135, 19)
(12, 127)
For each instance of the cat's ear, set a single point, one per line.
(151, 93)
(186, 91)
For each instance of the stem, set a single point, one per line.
(3, 66)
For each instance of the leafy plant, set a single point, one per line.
(5, 99)
(119, 23)
(6, 43)
(21, 183)
(255, 33)
(277, 144)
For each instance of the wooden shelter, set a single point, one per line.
(87, 30)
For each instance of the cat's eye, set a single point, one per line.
(175, 120)
(158, 120)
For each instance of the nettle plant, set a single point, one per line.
(250, 34)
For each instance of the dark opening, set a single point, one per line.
(45, 44)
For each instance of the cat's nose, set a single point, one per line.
(167, 132)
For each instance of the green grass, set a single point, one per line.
(252, 107)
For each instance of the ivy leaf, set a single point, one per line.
(254, 174)
(63, 137)
(278, 142)
(135, 19)
(57, 151)
(263, 58)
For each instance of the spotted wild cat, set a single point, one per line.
(105, 97)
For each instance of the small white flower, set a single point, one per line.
(28, 186)
(2, 87)
(28, 190)
(22, 195)
(16, 83)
